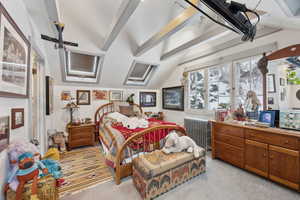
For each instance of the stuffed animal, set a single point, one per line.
(60, 139)
(28, 169)
(175, 144)
(134, 122)
(130, 123)
(52, 153)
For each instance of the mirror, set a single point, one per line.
(283, 84)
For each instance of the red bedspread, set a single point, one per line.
(150, 138)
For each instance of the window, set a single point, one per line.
(140, 73)
(82, 67)
(219, 88)
(248, 77)
(239, 76)
(197, 90)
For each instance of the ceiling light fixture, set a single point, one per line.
(234, 13)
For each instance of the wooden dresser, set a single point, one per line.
(81, 135)
(269, 152)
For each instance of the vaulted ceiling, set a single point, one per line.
(122, 29)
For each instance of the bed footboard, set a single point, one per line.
(147, 140)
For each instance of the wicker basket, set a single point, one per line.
(47, 190)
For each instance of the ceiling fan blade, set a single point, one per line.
(70, 43)
(48, 38)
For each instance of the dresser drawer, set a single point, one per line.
(225, 138)
(273, 139)
(81, 142)
(85, 135)
(229, 153)
(229, 130)
(82, 130)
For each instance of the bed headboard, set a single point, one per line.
(109, 108)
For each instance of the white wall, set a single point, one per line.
(62, 116)
(283, 38)
(22, 18)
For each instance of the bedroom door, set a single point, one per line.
(37, 99)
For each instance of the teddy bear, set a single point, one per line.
(175, 144)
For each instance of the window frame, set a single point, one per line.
(84, 77)
(232, 84)
(148, 74)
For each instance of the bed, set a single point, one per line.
(121, 145)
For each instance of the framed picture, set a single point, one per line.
(4, 132)
(66, 96)
(271, 83)
(282, 81)
(83, 97)
(173, 98)
(49, 95)
(17, 118)
(100, 95)
(148, 99)
(271, 100)
(116, 95)
(14, 58)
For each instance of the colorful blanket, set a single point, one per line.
(150, 138)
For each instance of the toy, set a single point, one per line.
(52, 153)
(130, 123)
(14, 150)
(18, 147)
(53, 168)
(174, 143)
(252, 105)
(60, 139)
(28, 169)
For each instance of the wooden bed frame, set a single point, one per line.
(125, 170)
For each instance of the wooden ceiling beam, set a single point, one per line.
(218, 31)
(124, 13)
(171, 28)
(202, 38)
(261, 32)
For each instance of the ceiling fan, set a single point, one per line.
(234, 13)
(59, 42)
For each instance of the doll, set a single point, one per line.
(252, 105)
(28, 169)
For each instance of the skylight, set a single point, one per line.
(140, 73)
(82, 67)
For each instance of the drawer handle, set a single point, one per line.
(286, 142)
(271, 157)
(264, 155)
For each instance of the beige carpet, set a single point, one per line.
(82, 169)
(221, 182)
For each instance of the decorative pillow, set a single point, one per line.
(117, 105)
(127, 110)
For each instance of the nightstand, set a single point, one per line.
(81, 135)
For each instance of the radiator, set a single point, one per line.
(200, 131)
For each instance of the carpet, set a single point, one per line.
(82, 169)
